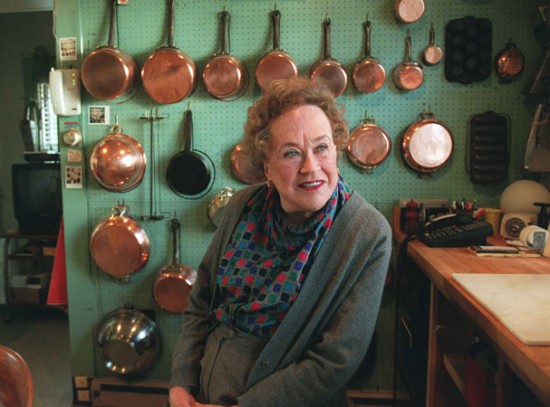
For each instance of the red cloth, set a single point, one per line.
(57, 294)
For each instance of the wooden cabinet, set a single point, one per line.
(28, 261)
(411, 331)
(471, 355)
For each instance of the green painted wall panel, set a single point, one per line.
(218, 125)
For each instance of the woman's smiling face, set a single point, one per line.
(302, 160)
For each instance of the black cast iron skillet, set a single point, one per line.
(190, 173)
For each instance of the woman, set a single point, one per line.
(287, 295)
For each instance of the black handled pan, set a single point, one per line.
(225, 77)
(169, 75)
(108, 72)
(368, 75)
(276, 64)
(190, 173)
(408, 75)
(328, 69)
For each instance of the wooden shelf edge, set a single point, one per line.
(455, 364)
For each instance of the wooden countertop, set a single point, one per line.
(530, 363)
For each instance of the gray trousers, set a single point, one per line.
(228, 359)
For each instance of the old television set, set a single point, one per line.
(37, 201)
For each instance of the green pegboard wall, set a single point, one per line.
(218, 126)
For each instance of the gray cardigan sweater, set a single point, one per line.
(327, 331)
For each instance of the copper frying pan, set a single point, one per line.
(225, 77)
(109, 72)
(276, 64)
(119, 245)
(368, 75)
(369, 145)
(243, 169)
(427, 145)
(408, 75)
(169, 75)
(432, 54)
(328, 69)
(174, 281)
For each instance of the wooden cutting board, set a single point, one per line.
(521, 302)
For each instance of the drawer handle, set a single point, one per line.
(408, 332)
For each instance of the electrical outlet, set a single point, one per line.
(81, 382)
(73, 177)
(83, 396)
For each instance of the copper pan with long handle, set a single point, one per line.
(276, 64)
(173, 282)
(108, 72)
(368, 75)
(327, 69)
(169, 75)
(408, 75)
(225, 77)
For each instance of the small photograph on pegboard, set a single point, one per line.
(73, 177)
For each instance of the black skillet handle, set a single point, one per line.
(188, 131)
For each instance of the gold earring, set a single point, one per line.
(268, 183)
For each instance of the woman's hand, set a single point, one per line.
(179, 397)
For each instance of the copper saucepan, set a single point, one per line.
(328, 69)
(276, 64)
(225, 77)
(368, 75)
(432, 54)
(243, 169)
(427, 145)
(169, 75)
(118, 244)
(118, 161)
(109, 72)
(369, 145)
(408, 75)
(174, 281)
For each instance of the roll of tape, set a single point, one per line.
(533, 236)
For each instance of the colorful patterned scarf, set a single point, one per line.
(267, 260)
